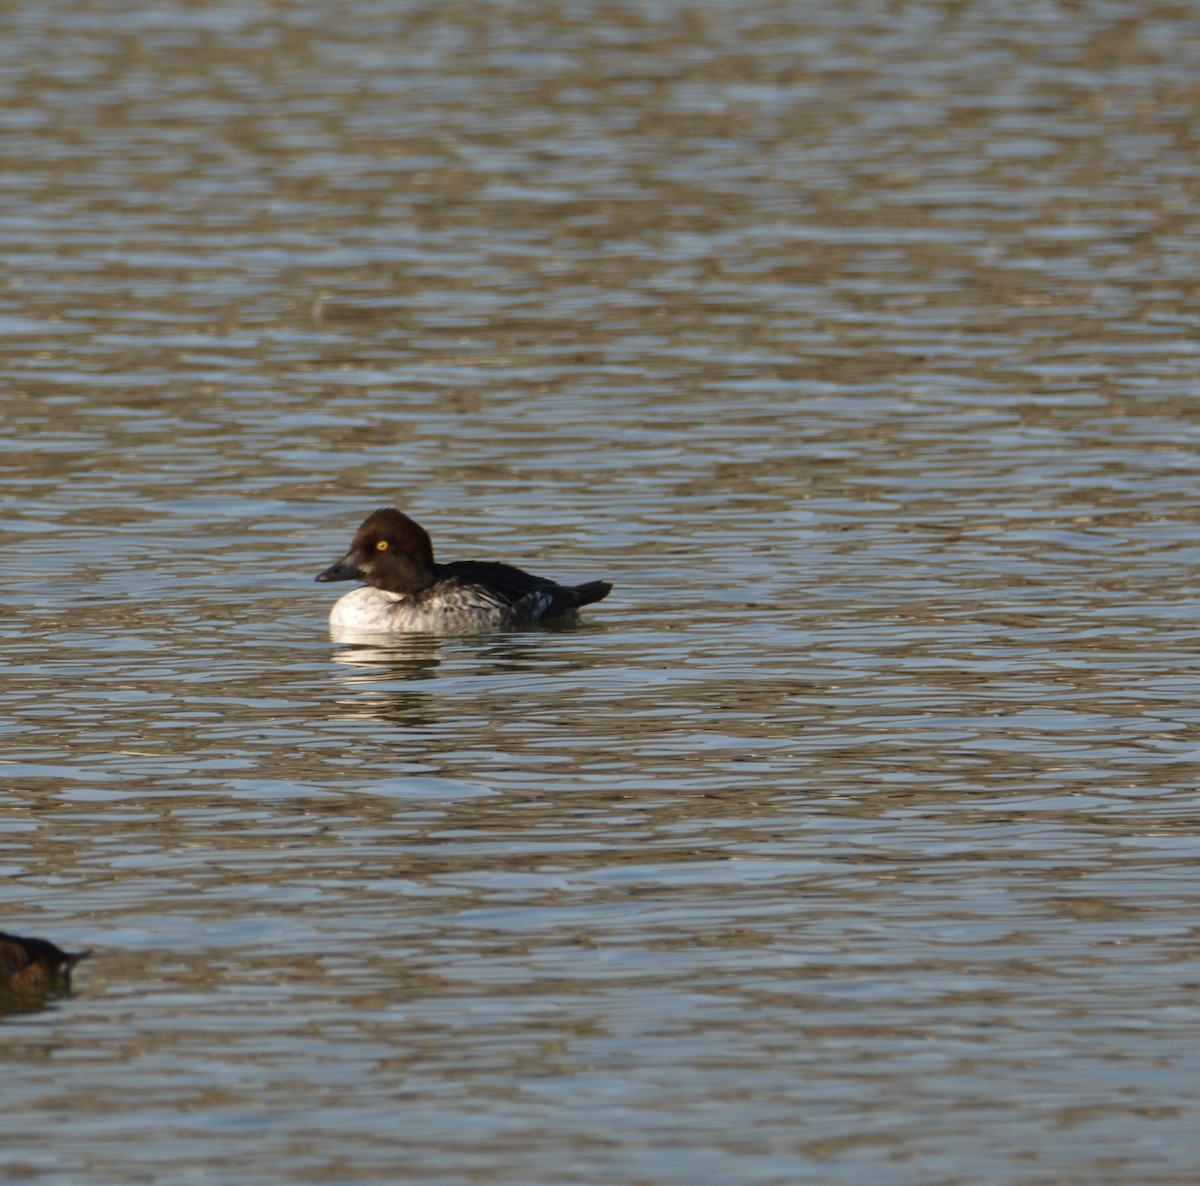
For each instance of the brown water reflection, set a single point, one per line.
(852, 839)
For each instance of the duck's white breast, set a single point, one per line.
(365, 609)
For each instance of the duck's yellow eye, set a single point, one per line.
(381, 546)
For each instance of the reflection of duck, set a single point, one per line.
(391, 675)
(411, 656)
(407, 591)
(35, 964)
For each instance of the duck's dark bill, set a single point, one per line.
(346, 569)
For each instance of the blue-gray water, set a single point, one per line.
(852, 840)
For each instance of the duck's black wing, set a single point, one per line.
(512, 584)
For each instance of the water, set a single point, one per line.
(852, 839)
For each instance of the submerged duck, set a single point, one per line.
(406, 590)
(35, 964)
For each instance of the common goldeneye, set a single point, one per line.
(407, 591)
(35, 964)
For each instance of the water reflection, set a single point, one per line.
(409, 656)
(16, 1002)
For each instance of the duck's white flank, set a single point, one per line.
(455, 610)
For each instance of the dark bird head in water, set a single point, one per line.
(388, 551)
(35, 965)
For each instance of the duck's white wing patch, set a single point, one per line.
(466, 598)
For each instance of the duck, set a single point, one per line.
(407, 591)
(35, 964)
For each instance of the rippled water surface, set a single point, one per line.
(853, 840)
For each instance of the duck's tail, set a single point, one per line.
(592, 591)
